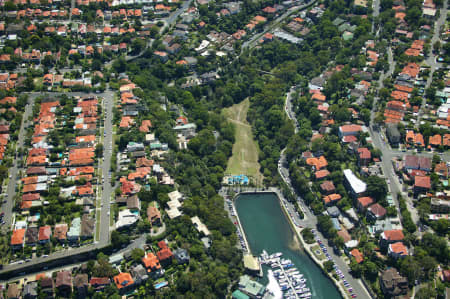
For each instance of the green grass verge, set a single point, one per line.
(318, 253)
(111, 215)
(97, 227)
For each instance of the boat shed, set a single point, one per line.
(239, 295)
(250, 287)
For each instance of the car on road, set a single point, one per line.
(45, 255)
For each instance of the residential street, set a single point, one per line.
(310, 219)
(14, 170)
(288, 109)
(431, 60)
(108, 98)
(172, 18)
(383, 76)
(275, 22)
(380, 142)
(108, 95)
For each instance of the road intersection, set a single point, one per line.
(104, 165)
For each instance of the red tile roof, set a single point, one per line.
(422, 182)
(18, 237)
(435, 140)
(377, 210)
(393, 235)
(364, 153)
(357, 255)
(164, 254)
(320, 174)
(411, 69)
(318, 163)
(399, 248)
(95, 281)
(331, 198)
(45, 232)
(365, 201)
(350, 128)
(123, 280)
(151, 262)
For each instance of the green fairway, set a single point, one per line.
(245, 150)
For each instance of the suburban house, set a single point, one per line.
(421, 184)
(45, 233)
(124, 282)
(165, 255)
(391, 236)
(376, 211)
(359, 258)
(392, 283)
(355, 186)
(397, 250)
(17, 238)
(99, 283)
(64, 281)
(349, 130)
(151, 262)
(363, 203)
(364, 156)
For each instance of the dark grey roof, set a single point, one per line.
(333, 211)
(30, 290)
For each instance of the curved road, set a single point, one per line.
(310, 219)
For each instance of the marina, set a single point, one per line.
(287, 277)
(288, 271)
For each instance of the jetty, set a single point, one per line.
(287, 277)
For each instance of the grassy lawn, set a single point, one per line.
(318, 253)
(245, 150)
(111, 215)
(97, 227)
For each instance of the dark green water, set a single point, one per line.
(266, 227)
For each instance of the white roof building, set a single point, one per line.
(173, 213)
(355, 184)
(351, 244)
(126, 218)
(175, 195)
(41, 187)
(203, 45)
(200, 226)
(21, 224)
(174, 204)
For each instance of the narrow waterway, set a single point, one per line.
(266, 227)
